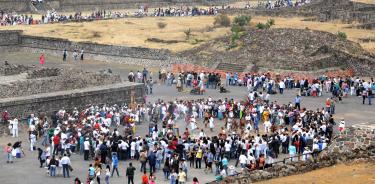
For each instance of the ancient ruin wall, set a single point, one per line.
(49, 102)
(16, 41)
(45, 81)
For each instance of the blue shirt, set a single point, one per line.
(224, 161)
(91, 171)
(292, 149)
(297, 100)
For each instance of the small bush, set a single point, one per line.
(242, 20)
(342, 35)
(271, 22)
(96, 34)
(236, 28)
(261, 26)
(187, 33)
(222, 20)
(161, 25)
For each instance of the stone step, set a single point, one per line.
(230, 67)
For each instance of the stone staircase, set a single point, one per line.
(230, 67)
(41, 7)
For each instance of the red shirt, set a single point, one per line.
(56, 140)
(145, 179)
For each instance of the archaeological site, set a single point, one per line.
(187, 91)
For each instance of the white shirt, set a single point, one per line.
(86, 145)
(65, 160)
(15, 124)
(227, 147)
(243, 159)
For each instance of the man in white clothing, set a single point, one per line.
(15, 127)
(65, 162)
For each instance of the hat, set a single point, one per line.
(87, 138)
(231, 167)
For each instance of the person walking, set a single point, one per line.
(15, 127)
(75, 55)
(98, 172)
(41, 59)
(107, 174)
(181, 177)
(65, 54)
(86, 148)
(166, 169)
(297, 102)
(8, 149)
(115, 164)
(81, 55)
(65, 162)
(130, 173)
(53, 163)
(173, 177)
(144, 178)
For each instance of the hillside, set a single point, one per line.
(287, 49)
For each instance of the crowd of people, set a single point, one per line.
(252, 131)
(284, 3)
(52, 16)
(338, 87)
(184, 11)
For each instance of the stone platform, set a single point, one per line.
(118, 93)
(367, 125)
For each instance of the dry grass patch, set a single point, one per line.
(365, 1)
(137, 32)
(132, 31)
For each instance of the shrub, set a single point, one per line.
(342, 35)
(96, 34)
(271, 22)
(261, 26)
(161, 25)
(222, 20)
(242, 20)
(236, 28)
(187, 33)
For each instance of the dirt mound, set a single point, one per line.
(286, 49)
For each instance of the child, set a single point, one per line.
(8, 149)
(342, 125)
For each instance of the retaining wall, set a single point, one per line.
(48, 102)
(16, 41)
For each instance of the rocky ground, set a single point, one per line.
(288, 49)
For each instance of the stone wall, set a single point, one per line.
(8, 38)
(48, 102)
(46, 81)
(15, 5)
(47, 43)
(11, 69)
(16, 41)
(352, 144)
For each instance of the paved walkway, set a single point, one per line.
(26, 170)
